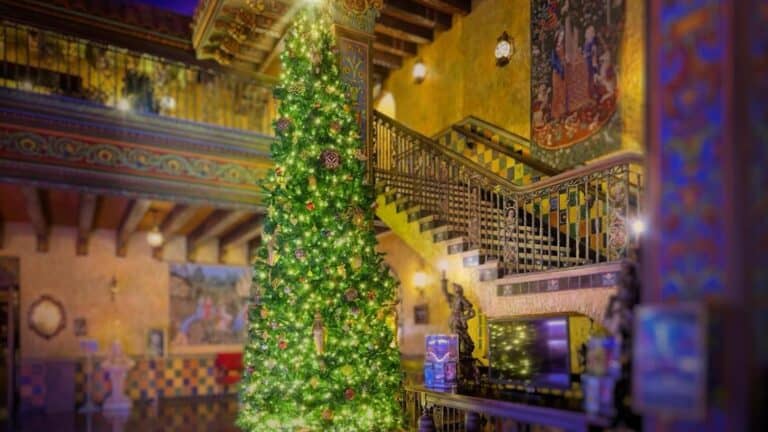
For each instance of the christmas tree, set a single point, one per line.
(321, 353)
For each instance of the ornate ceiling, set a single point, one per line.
(247, 33)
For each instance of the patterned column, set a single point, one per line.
(354, 22)
(707, 180)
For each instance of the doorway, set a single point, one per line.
(9, 339)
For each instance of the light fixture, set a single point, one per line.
(442, 265)
(124, 105)
(420, 281)
(168, 103)
(419, 71)
(639, 227)
(155, 236)
(504, 49)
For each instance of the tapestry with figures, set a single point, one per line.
(574, 77)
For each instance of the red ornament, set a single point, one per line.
(310, 205)
(349, 394)
(327, 414)
(282, 344)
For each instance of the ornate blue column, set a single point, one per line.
(708, 162)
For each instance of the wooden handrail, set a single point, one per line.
(566, 419)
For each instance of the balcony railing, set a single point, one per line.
(41, 61)
(583, 216)
(450, 412)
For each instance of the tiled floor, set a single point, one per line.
(173, 415)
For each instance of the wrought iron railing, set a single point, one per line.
(37, 60)
(429, 410)
(583, 216)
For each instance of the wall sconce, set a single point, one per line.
(505, 47)
(420, 281)
(419, 71)
(155, 236)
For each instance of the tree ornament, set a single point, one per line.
(335, 127)
(341, 270)
(356, 262)
(282, 344)
(299, 253)
(327, 414)
(347, 370)
(349, 394)
(371, 295)
(265, 335)
(357, 216)
(350, 294)
(331, 159)
(264, 313)
(355, 311)
(296, 87)
(310, 205)
(278, 170)
(283, 124)
(360, 155)
(315, 57)
(318, 333)
(314, 382)
(312, 182)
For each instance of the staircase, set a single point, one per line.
(577, 218)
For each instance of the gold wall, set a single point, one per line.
(81, 284)
(463, 78)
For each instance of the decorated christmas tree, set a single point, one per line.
(321, 352)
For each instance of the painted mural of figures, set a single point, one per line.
(574, 48)
(559, 86)
(605, 80)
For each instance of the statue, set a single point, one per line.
(461, 312)
(117, 364)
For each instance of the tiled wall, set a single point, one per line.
(493, 160)
(149, 379)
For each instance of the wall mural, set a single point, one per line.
(209, 304)
(574, 78)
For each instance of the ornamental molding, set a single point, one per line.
(357, 15)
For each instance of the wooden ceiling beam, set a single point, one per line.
(458, 7)
(243, 233)
(418, 14)
(403, 30)
(213, 226)
(2, 232)
(135, 211)
(390, 61)
(40, 223)
(174, 221)
(395, 46)
(85, 220)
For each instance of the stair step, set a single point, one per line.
(432, 225)
(421, 216)
(445, 235)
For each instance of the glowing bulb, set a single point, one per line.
(639, 227)
(155, 237)
(123, 105)
(442, 265)
(419, 279)
(419, 71)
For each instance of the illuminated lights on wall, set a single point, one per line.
(419, 72)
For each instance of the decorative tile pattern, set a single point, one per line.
(596, 280)
(495, 161)
(32, 391)
(687, 142)
(149, 379)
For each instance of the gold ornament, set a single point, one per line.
(341, 270)
(312, 183)
(356, 262)
(347, 370)
(318, 332)
(296, 87)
